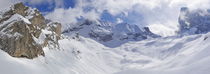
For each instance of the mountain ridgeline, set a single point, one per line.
(24, 31)
(109, 34)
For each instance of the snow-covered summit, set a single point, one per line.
(110, 34)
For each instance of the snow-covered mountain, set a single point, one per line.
(194, 21)
(170, 55)
(109, 34)
(98, 47)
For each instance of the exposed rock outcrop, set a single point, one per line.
(24, 32)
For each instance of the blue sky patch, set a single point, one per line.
(49, 7)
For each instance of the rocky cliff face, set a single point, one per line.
(109, 34)
(24, 31)
(194, 21)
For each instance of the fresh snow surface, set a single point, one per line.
(19, 17)
(169, 55)
(14, 18)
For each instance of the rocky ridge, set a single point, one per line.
(24, 31)
(110, 34)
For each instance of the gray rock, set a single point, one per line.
(21, 27)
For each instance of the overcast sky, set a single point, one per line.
(153, 13)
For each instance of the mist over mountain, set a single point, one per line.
(109, 34)
(194, 21)
(104, 37)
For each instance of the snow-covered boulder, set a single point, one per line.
(22, 31)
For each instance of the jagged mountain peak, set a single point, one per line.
(24, 32)
(100, 47)
(110, 34)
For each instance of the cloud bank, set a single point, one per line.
(160, 15)
(6, 3)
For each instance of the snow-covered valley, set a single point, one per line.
(169, 55)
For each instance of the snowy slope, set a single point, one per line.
(59, 61)
(170, 55)
(187, 55)
(97, 47)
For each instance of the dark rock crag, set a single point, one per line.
(21, 32)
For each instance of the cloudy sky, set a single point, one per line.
(160, 15)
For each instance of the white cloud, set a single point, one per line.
(6, 3)
(119, 20)
(70, 16)
(147, 12)
(159, 29)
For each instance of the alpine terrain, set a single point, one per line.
(32, 44)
